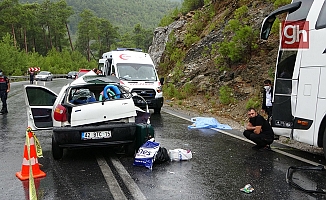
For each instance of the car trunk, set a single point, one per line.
(84, 106)
(102, 111)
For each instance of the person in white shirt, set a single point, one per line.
(267, 105)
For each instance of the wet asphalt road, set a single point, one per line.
(220, 166)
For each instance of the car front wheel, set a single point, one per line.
(57, 152)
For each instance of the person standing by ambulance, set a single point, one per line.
(4, 89)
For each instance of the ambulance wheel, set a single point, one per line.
(157, 110)
(130, 149)
(57, 152)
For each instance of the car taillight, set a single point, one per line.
(60, 113)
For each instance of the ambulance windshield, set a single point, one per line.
(136, 72)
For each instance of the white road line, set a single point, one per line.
(246, 140)
(276, 150)
(113, 184)
(129, 182)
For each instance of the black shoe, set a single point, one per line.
(267, 148)
(3, 112)
(257, 148)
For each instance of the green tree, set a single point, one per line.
(87, 31)
(189, 5)
(107, 36)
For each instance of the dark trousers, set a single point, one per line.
(259, 139)
(3, 96)
(269, 113)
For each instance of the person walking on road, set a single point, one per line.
(267, 105)
(4, 89)
(31, 77)
(258, 130)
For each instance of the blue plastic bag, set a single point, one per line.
(146, 154)
(207, 122)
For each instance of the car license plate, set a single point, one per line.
(95, 135)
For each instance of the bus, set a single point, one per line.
(299, 98)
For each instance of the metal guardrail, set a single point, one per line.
(26, 78)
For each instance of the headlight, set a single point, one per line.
(159, 89)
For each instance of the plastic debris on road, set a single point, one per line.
(180, 154)
(247, 189)
(146, 154)
(207, 122)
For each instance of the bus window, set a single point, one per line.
(321, 21)
(284, 72)
(302, 12)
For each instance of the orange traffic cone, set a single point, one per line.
(37, 173)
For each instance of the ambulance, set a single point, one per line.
(137, 73)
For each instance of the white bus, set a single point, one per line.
(299, 101)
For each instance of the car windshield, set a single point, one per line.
(43, 73)
(72, 73)
(136, 72)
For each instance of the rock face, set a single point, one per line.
(160, 38)
(198, 64)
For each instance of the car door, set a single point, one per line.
(39, 103)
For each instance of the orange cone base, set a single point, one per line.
(26, 177)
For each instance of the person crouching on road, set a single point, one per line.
(258, 130)
(4, 89)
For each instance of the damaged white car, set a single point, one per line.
(90, 111)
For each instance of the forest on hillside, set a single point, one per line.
(124, 14)
(39, 34)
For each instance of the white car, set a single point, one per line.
(82, 115)
(44, 76)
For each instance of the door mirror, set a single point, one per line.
(162, 81)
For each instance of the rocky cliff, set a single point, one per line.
(199, 68)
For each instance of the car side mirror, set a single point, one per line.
(162, 81)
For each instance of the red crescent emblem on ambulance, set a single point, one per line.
(124, 56)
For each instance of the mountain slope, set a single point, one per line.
(124, 14)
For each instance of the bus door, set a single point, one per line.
(282, 103)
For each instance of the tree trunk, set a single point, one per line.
(72, 47)
(45, 42)
(88, 50)
(14, 35)
(50, 37)
(25, 42)
(100, 44)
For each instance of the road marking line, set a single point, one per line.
(273, 149)
(113, 184)
(246, 140)
(129, 182)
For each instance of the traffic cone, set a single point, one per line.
(24, 173)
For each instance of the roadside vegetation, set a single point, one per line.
(64, 35)
(240, 43)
